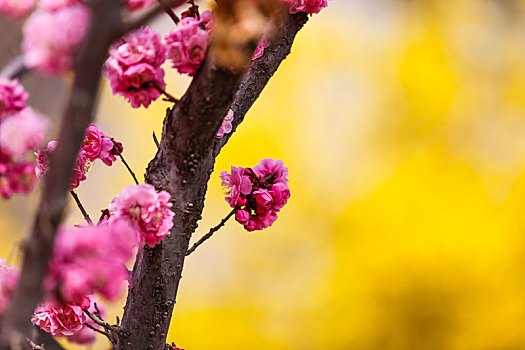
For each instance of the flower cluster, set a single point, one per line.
(257, 194)
(8, 281)
(308, 6)
(16, 8)
(22, 130)
(13, 97)
(226, 126)
(50, 38)
(96, 145)
(146, 210)
(86, 335)
(134, 67)
(187, 44)
(89, 259)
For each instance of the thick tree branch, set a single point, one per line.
(182, 166)
(105, 25)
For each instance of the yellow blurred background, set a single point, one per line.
(403, 125)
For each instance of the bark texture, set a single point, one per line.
(182, 166)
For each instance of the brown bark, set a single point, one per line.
(182, 166)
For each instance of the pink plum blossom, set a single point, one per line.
(97, 145)
(17, 178)
(88, 260)
(136, 5)
(308, 6)
(146, 210)
(50, 39)
(22, 132)
(134, 67)
(237, 185)
(59, 320)
(187, 44)
(226, 126)
(12, 97)
(16, 8)
(263, 44)
(272, 167)
(80, 169)
(8, 281)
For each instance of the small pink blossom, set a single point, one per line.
(187, 44)
(134, 67)
(308, 6)
(80, 168)
(16, 8)
(63, 320)
(145, 209)
(272, 167)
(263, 44)
(13, 97)
(96, 145)
(136, 5)
(88, 260)
(8, 280)
(237, 185)
(50, 39)
(22, 132)
(226, 126)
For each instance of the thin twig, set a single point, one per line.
(195, 9)
(129, 169)
(105, 213)
(101, 322)
(164, 92)
(149, 15)
(81, 207)
(169, 11)
(212, 231)
(35, 346)
(106, 334)
(156, 140)
(14, 69)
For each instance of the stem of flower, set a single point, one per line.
(35, 346)
(129, 169)
(81, 207)
(212, 231)
(169, 11)
(156, 140)
(169, 97)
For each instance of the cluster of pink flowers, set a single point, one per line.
(22, 130)
(96, 145)
(188, 43)
(8, 281)
(89, 259)
(16, 8)
(146, 210)
(226, 126)
(50, 38)
(308, 6)
(258, 194)
(134, 67)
